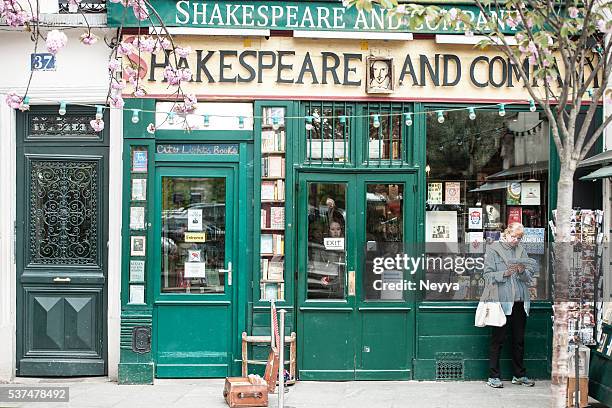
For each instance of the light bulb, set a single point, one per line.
(206, 121)
(241, 122)
(62, 108)
(25, 104)
(532, 105)
(135, 117)
(376, 122)
(342, 120)
(171, 117)
(408, 119)
(275, 124)
(472, 113)
(502, 109)
(309, 123)
(440, 117)
(98, 112)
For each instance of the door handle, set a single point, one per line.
(351, 283)
(229, 273)
(59, 280)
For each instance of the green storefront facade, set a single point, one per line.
(242, 207)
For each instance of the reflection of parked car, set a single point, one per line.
(175, 222)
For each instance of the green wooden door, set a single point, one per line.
(350, 325)
(195, 220)
(61, 251)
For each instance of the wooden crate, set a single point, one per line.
(571, 391)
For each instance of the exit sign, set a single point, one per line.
(42, 62)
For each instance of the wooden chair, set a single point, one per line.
(289, 340)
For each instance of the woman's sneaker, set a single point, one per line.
(527, 382)
(495, 383)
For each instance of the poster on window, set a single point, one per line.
(441, 226)
(139, 189)
(513, 194)
(195, 270)
(452, 192)
(515, 214)
(533, 240)
(194, 219)
(493, 216)
(137, 218)
(434, 193)
(139, 161)
(475, 218)
(530, 193)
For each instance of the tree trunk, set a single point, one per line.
(562, 248)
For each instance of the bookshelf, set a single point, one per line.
(272, 199)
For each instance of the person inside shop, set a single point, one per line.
(508, 266)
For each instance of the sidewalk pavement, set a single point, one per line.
(101, 393)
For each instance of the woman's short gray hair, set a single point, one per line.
(515, 227)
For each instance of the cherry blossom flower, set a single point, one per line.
(145, 44)
(89, 38)
(140, 9)
(114, 65)
(13, 100)
(97, 125)
(453, 14)
(139, 92)
(175, 76)
(602, 26)
(183, 52)
(56, 40)
(573, 12)
(117, 102)
(117, 85)
(165, 43)
(512, 23)
(151, 128)
(123, 48)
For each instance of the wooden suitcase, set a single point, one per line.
(242, 392)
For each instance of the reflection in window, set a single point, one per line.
(384, 237)
(326, 244)
(483, 174)
(327, 133)
(193, 235)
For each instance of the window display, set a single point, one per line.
(483, 174)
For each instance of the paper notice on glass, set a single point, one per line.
(475, 218)
(137, 294)
(195, 270)
(334, 244)
(137, 218)
(194, 255)
(194, 219)
(139, 189)
(137, 269)
(530, 193)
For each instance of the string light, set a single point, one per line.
(206, 121)
(135, 115)
(440, 116)
(275, 124)
(342, 120)
(99, 112)
(376, 122)
(25, 104)
(62, 108)
(472, 113)
(532, 105)
(309, 123)
(241, 122)
(408, 119)
(171, 117)
(590, 92)
(502, 109)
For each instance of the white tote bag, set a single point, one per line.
(489, 312)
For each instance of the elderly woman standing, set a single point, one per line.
(508, 266)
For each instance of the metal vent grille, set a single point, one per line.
(449, 366)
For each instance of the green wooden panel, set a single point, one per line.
(193, 341)
(478, 369)
(600, 378)
(385, 338)
(322, 351)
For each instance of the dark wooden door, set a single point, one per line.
(61, 244)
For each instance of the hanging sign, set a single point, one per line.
(199, 148)
(334, 244)
(195, 237)
(294, 16)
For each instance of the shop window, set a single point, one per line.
(327, 132)
(386, 133)
(482, 175)
(272, 223)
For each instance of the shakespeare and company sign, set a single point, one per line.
(293, 68)
(282, 15)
